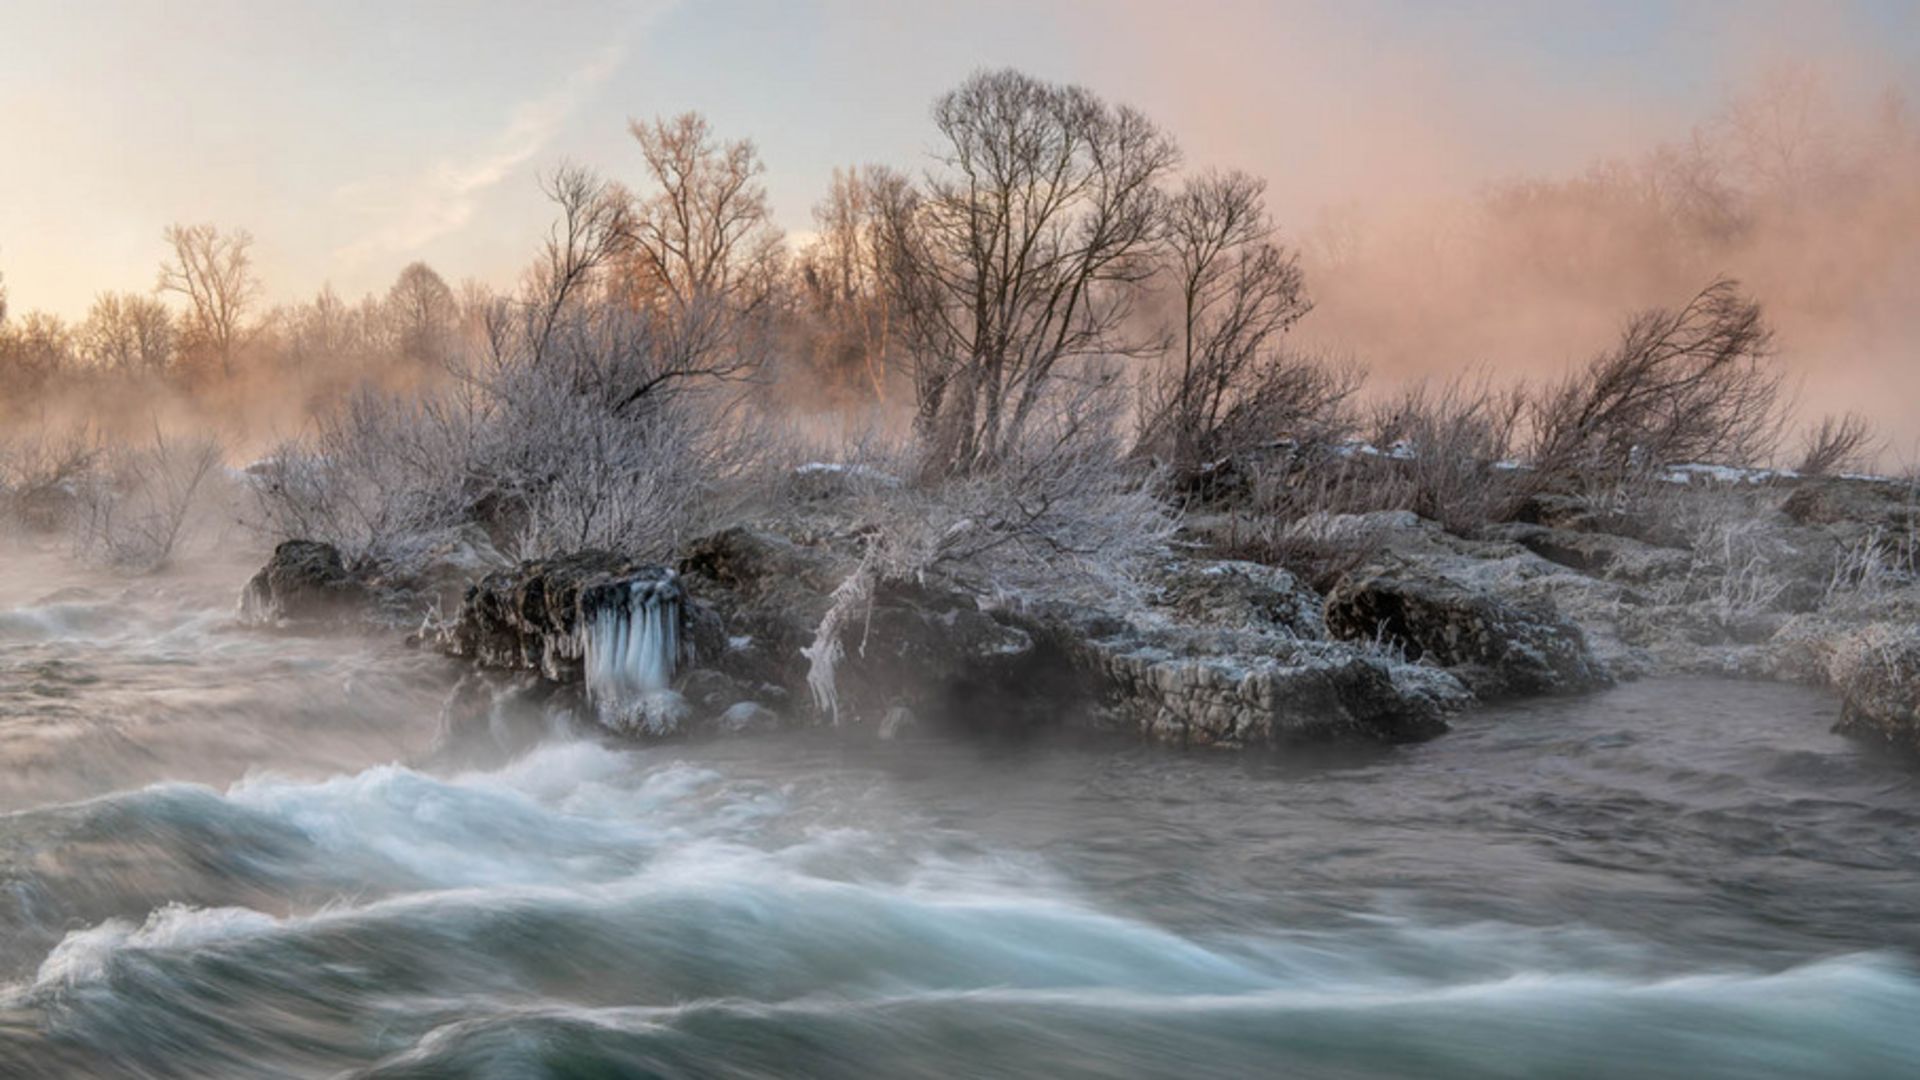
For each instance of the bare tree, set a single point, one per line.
(129, 333)
(1238, 291)
(595, 226)
(1689, 384)
(840, 276)
(214, 271)
(1018, 253)
(422, 310)
(705, 256)
(34, 348)
(322, 331)
(1781, 133)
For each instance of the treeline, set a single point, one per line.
(1079, 336)
(204, 335)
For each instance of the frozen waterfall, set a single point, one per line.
(631, 650)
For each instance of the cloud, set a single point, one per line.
(444, 198)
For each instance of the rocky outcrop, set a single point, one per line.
(538, 616)
(305, 581)
(433, 578)
(1212, 652)
(1231, 594)
(1180, 688)
(308, 583)
(1867, 649)
(769, 594)
(1496, 647)
(922, 646)
(1600, 555)
(1854, 502)
(1876, 670)
(625, 632)
(1223, 653)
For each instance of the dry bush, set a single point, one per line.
(1877, 563)
(1448, 453)
(1692, 384)
(140, 500)
(1441, 452)
(1837, 444)
(1749, 571)
(1063, 505)
(1283, 397)
(42, 474)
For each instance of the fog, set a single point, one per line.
(1461, 203)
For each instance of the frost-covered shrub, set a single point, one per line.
(531, 452)
(583, 418)
(42, 473)
(137, 504)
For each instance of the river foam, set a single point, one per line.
(629, 910)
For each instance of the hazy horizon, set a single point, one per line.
(354, 139)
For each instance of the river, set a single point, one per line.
(226, 853)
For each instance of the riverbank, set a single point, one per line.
(1759, 575)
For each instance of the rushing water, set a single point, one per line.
(231, 854)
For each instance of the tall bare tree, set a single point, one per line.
(1018, 252)
(705, 253)
(594, 228)
(422, 310)
(214, 271)
(1238, 291)
(840, 277)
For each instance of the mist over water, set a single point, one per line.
(229, 854)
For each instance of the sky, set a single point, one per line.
(355, 137)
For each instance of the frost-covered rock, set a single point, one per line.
(897, 722)
(1183, 689)
(746, 718)
(432, 576)
(1223, 653)
(1876, 670)
(1209, 652)
(620, 629)
(826, 480)
(1232, 594)
(927, 646)
(305, 581)
(1599, 554)
(1497, 647)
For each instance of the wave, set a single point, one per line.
(594, 908)
(1526, 1026)
(715, 950)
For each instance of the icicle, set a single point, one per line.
(631, 648)
(826, 652)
